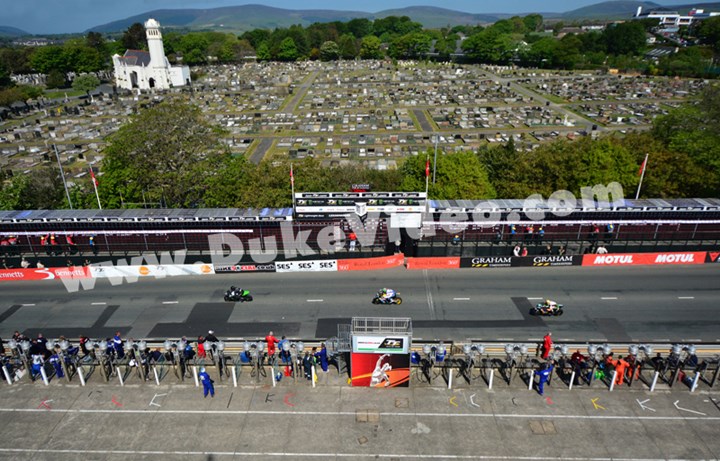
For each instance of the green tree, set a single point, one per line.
(167, 152)
(708, 31)
(262, 52)
(48, 58)
(288, 50)
(348, 46)
(414, 45)
(134, 37)
(56, 79)
(370, 48)
(359, 27)
(39, 189)
(329, 51)
(624, 38)
(85, 83)
(458, 175)
(533, 22)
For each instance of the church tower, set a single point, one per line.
(155, 43)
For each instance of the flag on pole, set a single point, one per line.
(292, 178)
(427, 168)
(94, 180)
(642, 167)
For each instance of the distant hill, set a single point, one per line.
(7, 31)
(248, 17)
(624, 9)
(242, 18)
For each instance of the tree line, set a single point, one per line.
(171, 155)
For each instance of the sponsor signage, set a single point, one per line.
(549, 261)
(270, 267)
(487, 261)
(433, 263)
(150, 270)
(378, 344)
(359, 264)
(713, 257)
(380, 370)
(637, 259)
(362, 202)
(329, 265)
(45, 274)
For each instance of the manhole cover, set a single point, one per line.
(402, 403)
(367, 416)
(542, 427)
(363, 440)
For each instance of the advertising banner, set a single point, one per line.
(45, 274)
(380, 370)
(548, 261)
(360, 264)
(158, 271)
(713, 257)
(482, 262)
(269, 267)
(381, 344)
(329, 265)
(638, 259)
(433, 263)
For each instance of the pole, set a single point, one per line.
(94, 181)
(437, 137)
(427, 183)
(62, 175)
(292, 188)
(642, 175)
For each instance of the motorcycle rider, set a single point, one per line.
(550, 306)
(239, 292)
(387, 295)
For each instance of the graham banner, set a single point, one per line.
(380, 370)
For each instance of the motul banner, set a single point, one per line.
(638, 259)
(44, 274)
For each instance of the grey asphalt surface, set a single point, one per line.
(670, 303)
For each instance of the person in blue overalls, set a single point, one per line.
(55, 361)
(544, 375)
(207, 383)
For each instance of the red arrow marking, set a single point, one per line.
(287, 400)
(549, 401)
(116, 402)
(44, 404)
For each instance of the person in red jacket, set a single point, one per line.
(271, 342)
(547, 345)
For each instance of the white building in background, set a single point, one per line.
(669, 18)
(147, 70)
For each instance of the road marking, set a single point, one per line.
(688, 410)
(608, 298)
(152, 402)
(643, 406)
(533, 299)
(472, 402)
(44, 404)
(98, 304)
(116, 402)
(597, 405)
(452, 401)
(691, 340)
(152, 413)
(170, 302)
(315, 300)
(27, 305)
(686, 297)
(286, 399)
(431, 304)
(420, 429)
(461, 299)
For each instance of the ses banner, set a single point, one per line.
(329, 265)
(45, 274)
(638, 259)
(396, 344)
(270, 267)
(380, 370)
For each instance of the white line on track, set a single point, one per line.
(533, 298)
(608, 297)
(461, 299)
(686, 297)
(170, 302)
(315, 300)
(28, 305)
(153, 413)
(98, 304)
(301, 455)
(691, 340)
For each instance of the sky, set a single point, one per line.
(70, 16)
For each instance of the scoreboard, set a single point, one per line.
(329, 204)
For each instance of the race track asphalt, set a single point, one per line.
(667, 303)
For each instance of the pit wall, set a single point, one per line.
(377, 263)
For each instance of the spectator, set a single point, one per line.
(498, 234)
(42, 345)
(601, 250)
(513, 232)
(548, 249)
(524, 251)
(211, 336)
(322, 357)
(609, 229)
(307, 365)
(91, 242)
(544, 377)
(456, 239)
(5, 264)
(353, 241)
(201, 348)
(562, 250)
(529, 229)
(37, 363)
(271, 342)
(207, 383)
(24, 263)
(547, 345)
(517, 250)
(83, 344)
(540, 234)
(40, 265)
(398, 243)
(55, 362)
